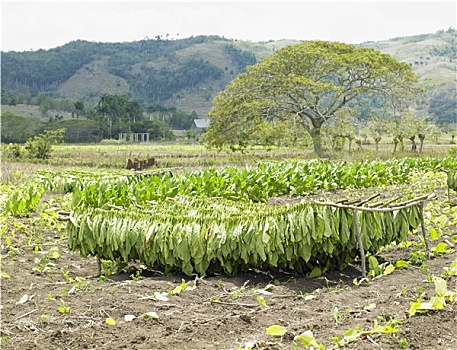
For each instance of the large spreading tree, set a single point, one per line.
(306, 84)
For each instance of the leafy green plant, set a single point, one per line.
(440, 249)
(377, 270)
(307, 339)
(4, 339)
(151, 314)
(23, 200)
(442, 298)
(451, 270)
(356, 333)
(403, 343)
(45, 264)
(40, 146)
(261, 300)
(110, 321)
(276, 330)
(184, 286)
(137, 275)
(63, 309)
(417, 257)
(43, 318)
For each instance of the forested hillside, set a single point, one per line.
(188, 73)
(434, 59)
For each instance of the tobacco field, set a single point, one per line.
(231, 257)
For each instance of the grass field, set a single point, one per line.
(188, 154)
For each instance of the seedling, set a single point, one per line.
(237, 293)
(402, 343)
(443, 298)
(43, 318)
(417, 257)
(335, 314)
(137, 275)
(63, 309)
(307, 339)
(182, 287)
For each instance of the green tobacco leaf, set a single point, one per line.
(307, 339)
(150, 314)
(440, 249)
(262, 301)
(453, 268)
(413, 307)
(440, 286)
(276, 330)
(389, 269)
(401, 263)
(373, 265)
(316, 272)
(350, 335)
(110, 321)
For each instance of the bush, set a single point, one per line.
(12, 151)
(40, 146)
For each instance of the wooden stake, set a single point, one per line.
(99, 265)
(424, 234)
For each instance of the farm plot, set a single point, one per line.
(51, 299)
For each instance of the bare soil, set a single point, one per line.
(220, 313)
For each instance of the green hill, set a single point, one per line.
(188, 73)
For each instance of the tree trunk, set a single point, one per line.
(359, 143)
(413, 146)
(395, 144)
(421, 142)
(376, 142)
(317, 141)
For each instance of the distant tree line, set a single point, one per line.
(113, 114)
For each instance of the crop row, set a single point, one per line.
(256, 184)
(201, 235)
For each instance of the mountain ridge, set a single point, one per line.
(188, 73)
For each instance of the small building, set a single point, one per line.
(133, 137)
(199, 124)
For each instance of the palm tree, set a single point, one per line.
(79, 109)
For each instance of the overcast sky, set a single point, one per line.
(44, 25)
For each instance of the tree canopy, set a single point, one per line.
(308, 84)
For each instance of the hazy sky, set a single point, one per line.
(44, 25)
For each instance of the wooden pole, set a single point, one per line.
(424, 234)
(99, 265)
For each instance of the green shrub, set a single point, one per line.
(40, 146)
(12, 151)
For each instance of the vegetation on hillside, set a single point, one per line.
(156, 70)
(189, 73)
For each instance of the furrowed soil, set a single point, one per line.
(52, 299)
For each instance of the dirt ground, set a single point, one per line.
(53, 299)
